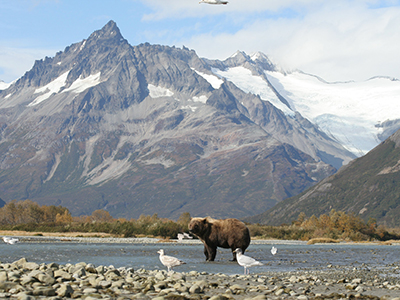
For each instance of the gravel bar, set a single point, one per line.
(25, 280)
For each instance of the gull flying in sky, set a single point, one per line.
(214, 1)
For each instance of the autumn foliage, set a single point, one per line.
(336, 225)
(30, 216)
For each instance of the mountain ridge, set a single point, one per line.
(154, 129)
(366, 187)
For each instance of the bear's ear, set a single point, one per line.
(204, 220)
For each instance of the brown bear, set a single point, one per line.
(227, 233)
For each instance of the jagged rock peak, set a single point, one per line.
(262, 60)
(240, 57)
(258, 60)
(109, 31)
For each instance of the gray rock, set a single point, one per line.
(91, 268)
(63, 275)
(219, 297)
(3, 276)
(31, 266)
(53, 265)
(44, 291)
(100, 269)
(104, 284)
(79, 272)
(90, 291)
(195, 289)
(24, 296)
(46, 279)
(20, 263)
(26, 279)
(65, 290)
(7, 285)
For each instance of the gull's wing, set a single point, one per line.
(171, 261)
(247, 261)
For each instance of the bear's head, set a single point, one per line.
(198, 226)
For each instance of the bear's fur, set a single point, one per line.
(227, 233)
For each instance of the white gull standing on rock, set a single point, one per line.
(274, 250)
(246, 261)
(169, 261)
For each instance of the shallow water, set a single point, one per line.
(290, 257)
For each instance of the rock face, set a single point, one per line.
(150, 129)
(368, 187)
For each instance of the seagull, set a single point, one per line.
(274, 250)
(10, 241)
(246, 261)
(214, 1)
(169, 261)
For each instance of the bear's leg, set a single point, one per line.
(234, 255)
(206, 252)
(212, 253)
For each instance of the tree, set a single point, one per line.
(64, 217)
(101, 215)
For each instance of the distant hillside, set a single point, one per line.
(369, 187)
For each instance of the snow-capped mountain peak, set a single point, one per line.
(352, 113)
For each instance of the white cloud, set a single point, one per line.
(337, 41)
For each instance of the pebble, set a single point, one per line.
(23, 280)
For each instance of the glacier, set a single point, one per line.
(349, 112)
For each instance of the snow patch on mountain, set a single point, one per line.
(81, 84)
(249, 83)
(49, 89)
(202, 99)
(211, 79)
(3, 85)
(158, 91)
(192, 108)
(348, 111)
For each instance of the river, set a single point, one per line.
(291, 256)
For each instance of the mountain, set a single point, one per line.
(155, 129)
(148, 129)
(358, 115)
(368, 187)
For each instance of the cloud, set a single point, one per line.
(337, 41)
(186, 9)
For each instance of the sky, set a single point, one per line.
(336, 40)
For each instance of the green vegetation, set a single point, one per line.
(29, 216)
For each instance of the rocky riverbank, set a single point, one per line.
(25, 280)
